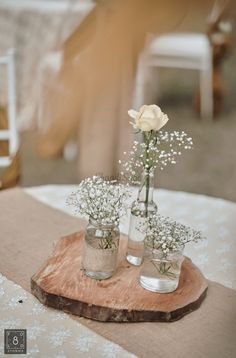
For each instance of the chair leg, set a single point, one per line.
(147, 88)
(70, 150)
(206, 93)
(140, 86)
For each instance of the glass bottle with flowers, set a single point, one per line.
(164, 243)
(156, 150)
(103, 203)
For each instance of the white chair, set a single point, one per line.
(10, 134)
(182, 50)
(189, 51)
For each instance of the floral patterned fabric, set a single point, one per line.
(50, 333)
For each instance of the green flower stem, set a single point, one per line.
(147, 193)
(107, 243)
(164, 269)
(147, 139)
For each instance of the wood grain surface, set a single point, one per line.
(62, 284)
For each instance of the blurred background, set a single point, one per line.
(186, 66)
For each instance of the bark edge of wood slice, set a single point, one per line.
(61, 283)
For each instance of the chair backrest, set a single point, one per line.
(10, 133)
(217, 11)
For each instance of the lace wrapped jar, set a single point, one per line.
(100, 253)
(160, 272)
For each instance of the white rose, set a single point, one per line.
(148, 118)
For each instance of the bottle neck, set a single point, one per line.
(146, 188)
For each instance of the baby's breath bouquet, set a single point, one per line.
(165, 240)
(100, 200)
(156, 150)
(103, 203)
(165, 234)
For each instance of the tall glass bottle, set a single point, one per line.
(141, 208)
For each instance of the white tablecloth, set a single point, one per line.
(54, 334)
(50, 333)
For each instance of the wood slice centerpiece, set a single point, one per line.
(62, 284)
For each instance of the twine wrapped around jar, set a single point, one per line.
(100, 250)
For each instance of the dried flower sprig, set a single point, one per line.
(165, 234)
(156, 151)
(100, 200)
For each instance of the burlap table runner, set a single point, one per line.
(27, 232)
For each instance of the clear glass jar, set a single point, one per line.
(159, 272)
(100, 250)
(142, 208)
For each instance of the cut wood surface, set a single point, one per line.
(62, 284)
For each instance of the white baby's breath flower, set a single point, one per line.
(103, 201)
(165, 234)
(148, 118)
(161, 149)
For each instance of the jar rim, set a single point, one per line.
(98, 223)
(180, 249)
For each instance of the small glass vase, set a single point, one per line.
(141, 208)
(159, 272)
(100, 250)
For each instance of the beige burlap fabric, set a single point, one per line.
(27, 232)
